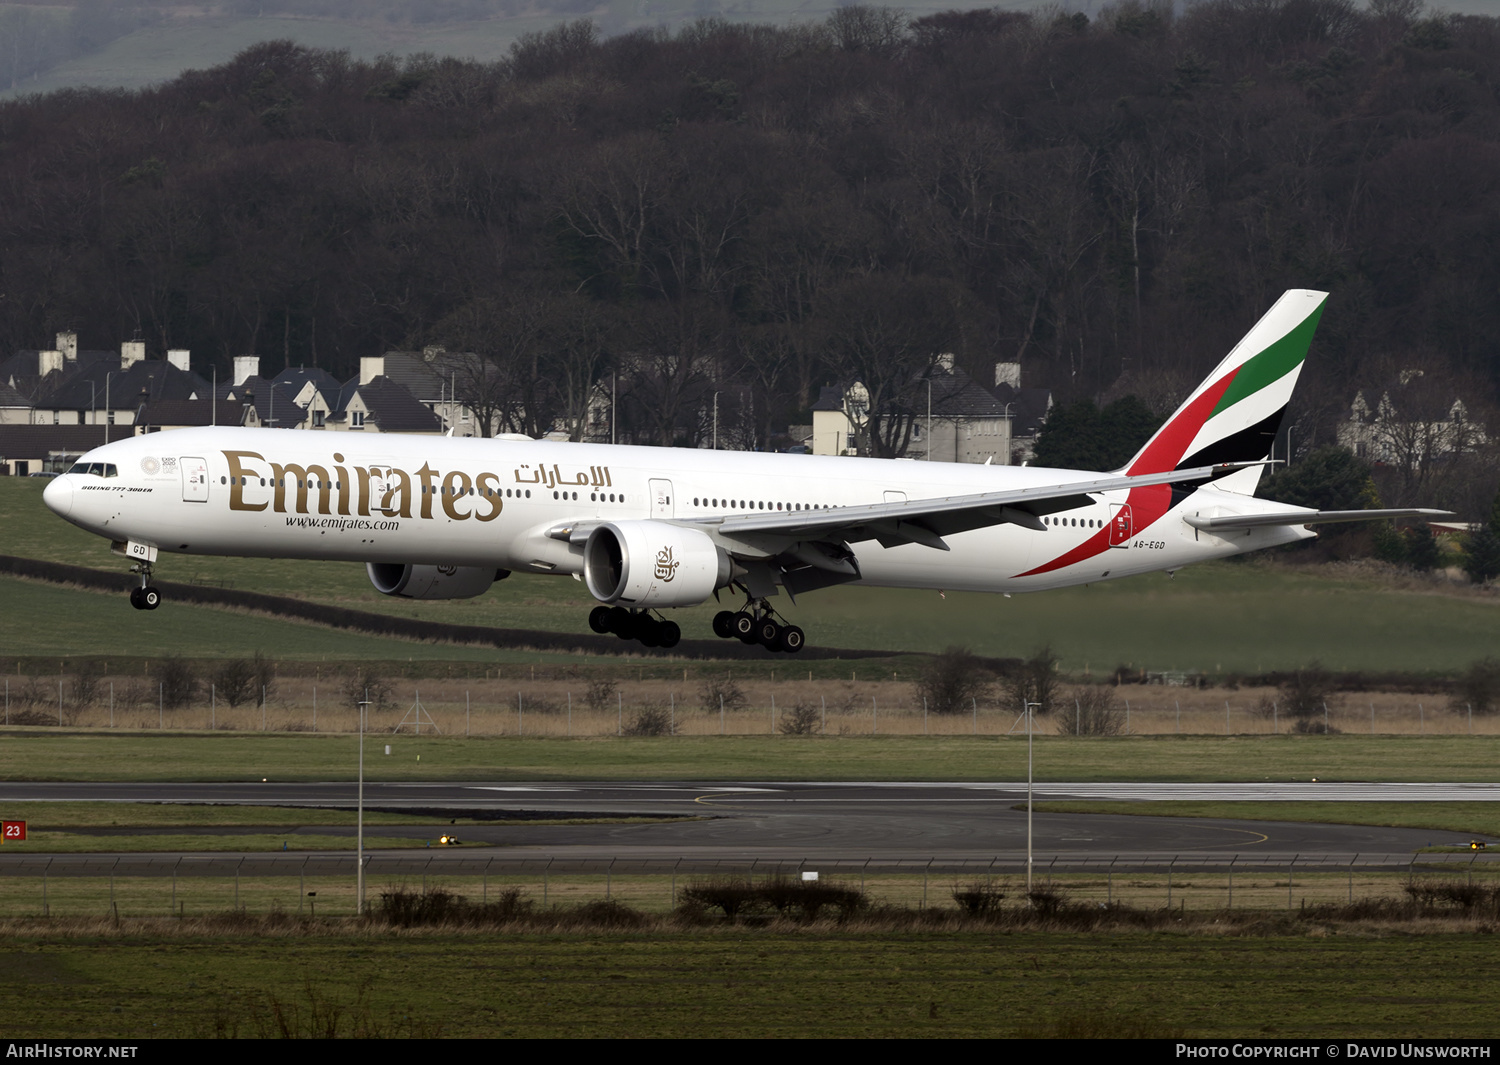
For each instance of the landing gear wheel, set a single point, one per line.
(743, 627)
(150, 598)
(669, 634)
(135, 599)
(792, 639)
(621, 623)
(599, 619)
(724, 624)
(648, 630)
(768, 634)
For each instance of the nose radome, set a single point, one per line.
(58, 495)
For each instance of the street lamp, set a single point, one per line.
(1026, 705)
(359, 880)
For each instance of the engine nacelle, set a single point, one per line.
(652, 564)
(432, 582)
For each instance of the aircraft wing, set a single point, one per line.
(927, 521)
(1309, 517)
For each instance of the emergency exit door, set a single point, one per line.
(1121, 525)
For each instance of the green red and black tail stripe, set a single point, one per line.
(1232, 417)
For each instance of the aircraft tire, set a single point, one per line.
(724, 624)
(744, 626)
(599, 619)
(792, 639)
(648, 631)
(621, 623)
(768, 634)
(671, 634)
(150, 598)
(135, 599)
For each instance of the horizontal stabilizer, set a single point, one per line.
(1309, 517)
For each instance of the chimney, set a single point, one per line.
(178, 357)
(49, 362)
(245, 367)
(370, 367)
(1008, 373)
(67, 343)
(131, 352)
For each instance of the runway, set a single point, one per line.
(723, 824)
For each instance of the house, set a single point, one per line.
(382, 405)
(266, 403)
(954, 419)
(1414, 423)
(69, 386)
(15, 409)
(28, 449)
(162, 414)
(454, 385)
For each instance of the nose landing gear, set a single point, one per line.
(146, 597)
(757, 624)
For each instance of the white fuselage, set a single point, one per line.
(472, 502)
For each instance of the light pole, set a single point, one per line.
(1026, 705)
(716, 421)
(359, 881)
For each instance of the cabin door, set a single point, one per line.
(194, 480)
(661, 499)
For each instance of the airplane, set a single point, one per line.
(648, 529)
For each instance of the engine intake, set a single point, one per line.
(432, 582)
(652, 564)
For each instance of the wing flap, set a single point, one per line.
(927, 521)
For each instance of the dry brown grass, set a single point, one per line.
(557, 707)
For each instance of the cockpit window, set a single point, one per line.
(98, 469)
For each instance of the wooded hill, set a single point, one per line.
(757, 211)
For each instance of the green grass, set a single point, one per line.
(102, 755)
(54, 815)
(1222, 617)
(743, 984)
(207, 843)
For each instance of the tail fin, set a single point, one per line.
(1234, 415)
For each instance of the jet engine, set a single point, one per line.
(432, 582)
(645, 564)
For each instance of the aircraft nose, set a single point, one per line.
(58, 495)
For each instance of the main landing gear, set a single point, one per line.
(635, 625)
(145, 597)
(757, 624)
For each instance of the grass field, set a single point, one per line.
(1220, 618)
(147, 756)
(192, 894)
(742, 984)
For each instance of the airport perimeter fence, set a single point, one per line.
(666, 709)
(204, 885)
